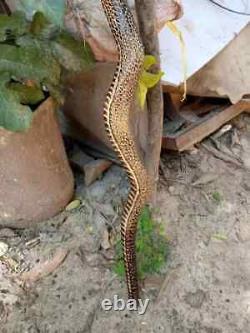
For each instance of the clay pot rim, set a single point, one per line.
(49, 101)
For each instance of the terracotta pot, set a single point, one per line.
(36, 181)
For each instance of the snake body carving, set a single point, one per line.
(117, 110)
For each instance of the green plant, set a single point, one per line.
(147, 79)
(151, 247)
(54, 10)
(217, 196)
(35, 58)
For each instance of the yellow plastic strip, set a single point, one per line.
(173, 28)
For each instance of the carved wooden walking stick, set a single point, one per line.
(116, 116)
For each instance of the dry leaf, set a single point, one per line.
(73, 205)
(205, 179)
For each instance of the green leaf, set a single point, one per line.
(149, 61)
(73, 55)
(142, 93)
(12, 26)
(147, 80)
(30, 62)
(13, 115)
(54, 10)
(41, 27)
(27, 95)
(217, 196)
(150, 79)
(38, 52)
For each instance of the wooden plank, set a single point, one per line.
(197, 132)
(201, 106)
(247, 99)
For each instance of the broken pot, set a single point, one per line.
(36, 181)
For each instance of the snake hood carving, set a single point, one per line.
(117, 110)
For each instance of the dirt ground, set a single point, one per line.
(203, 202)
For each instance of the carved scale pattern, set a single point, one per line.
(117, 110)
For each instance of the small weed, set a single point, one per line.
(217, 196)
(221, 237)
(151, 248)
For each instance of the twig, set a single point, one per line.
(222, 156)
(41, 270)
(83, 31)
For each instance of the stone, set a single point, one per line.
(91, 168)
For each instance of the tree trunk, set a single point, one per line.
(146, 13)
(4, 8)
